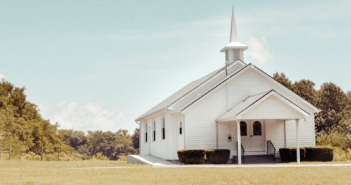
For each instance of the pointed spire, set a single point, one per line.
(233, 32)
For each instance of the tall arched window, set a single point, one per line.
(146, 132)
(163, 128)
(243, 128)
(154, 130)
(257, 128)
(180, 128)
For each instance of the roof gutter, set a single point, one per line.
(152, 114)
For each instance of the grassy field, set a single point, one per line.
(30, 172)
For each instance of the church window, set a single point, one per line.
(180, 128)
(257, 128)
(146, 132)
(163, 128)
(154, 130)
(243, 128)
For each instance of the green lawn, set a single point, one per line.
(29, 172)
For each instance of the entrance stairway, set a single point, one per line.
(257, 159)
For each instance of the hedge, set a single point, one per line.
(289, 154)
(319, 153)
(195, 156)
(307, 154)
(217, 156)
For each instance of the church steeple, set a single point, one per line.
(234, 50)
(233, 32)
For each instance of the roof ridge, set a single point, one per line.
(223, 68)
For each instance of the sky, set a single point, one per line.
(98, 65)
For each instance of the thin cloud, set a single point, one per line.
(89, 116)
(258, 51)
(2, 76)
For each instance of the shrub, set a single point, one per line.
(195, 156)
(217, 156)
(99, 157)
(319, 153)
(30, 156)
(342, 155)
(334, 139)
(289, 154)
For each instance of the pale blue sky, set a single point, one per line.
(100, 64)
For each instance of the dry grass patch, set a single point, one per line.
(27, 172)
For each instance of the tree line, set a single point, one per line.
(22, 125)
(334, 103)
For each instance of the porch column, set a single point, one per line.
(239, 140)
(297, 142)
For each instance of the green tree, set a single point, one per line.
(281, 78)
(22, 125)
(335, 107)
(135, 138)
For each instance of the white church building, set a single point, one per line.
(236, 105)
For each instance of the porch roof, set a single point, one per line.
(266, 105)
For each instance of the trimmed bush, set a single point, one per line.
(217, 156)
(195, 156)
(319, 154)
(289, 154)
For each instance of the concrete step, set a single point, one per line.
(256, 159)
(147, 159)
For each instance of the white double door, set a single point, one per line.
(252, 135)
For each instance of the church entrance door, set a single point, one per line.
(252, 136)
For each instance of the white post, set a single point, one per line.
(239, 140)
(297, 142)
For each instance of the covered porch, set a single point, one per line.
(258, 125)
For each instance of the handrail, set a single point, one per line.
(242, 150)
(270, 149)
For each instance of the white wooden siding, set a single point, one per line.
(307, 133)
(272, 108)
(200, 121)
(223, 130)
(199, 91)
(180, 136)
(251, 82)
(143, 144)
(163, 148)
(275, 133)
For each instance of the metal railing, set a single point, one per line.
(242, 151)
(271, 149)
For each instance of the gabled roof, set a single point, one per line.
(185, 91)
(252, 101)
(237, 73)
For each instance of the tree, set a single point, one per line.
(135, 138)
(334, 104)
(108, 143)
(22, 125)
(281, 78)
(305, 89)
(73, 138)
